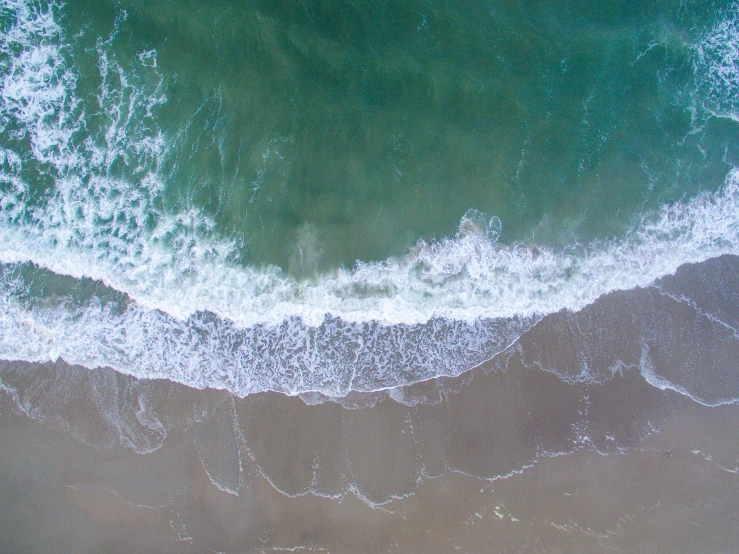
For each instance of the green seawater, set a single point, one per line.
(319, 133)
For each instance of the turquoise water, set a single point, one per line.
(321, 133)
(349, 195)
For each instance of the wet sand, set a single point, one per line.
(673, 492)
(570, 441)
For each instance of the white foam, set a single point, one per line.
(649, 373)
(716, 65)
(444, 307)
(204, 351)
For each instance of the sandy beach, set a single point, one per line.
(675, 491)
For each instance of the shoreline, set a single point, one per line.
(369, 277)
(567, 442)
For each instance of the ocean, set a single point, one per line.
(341, 200)
(345, 197)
